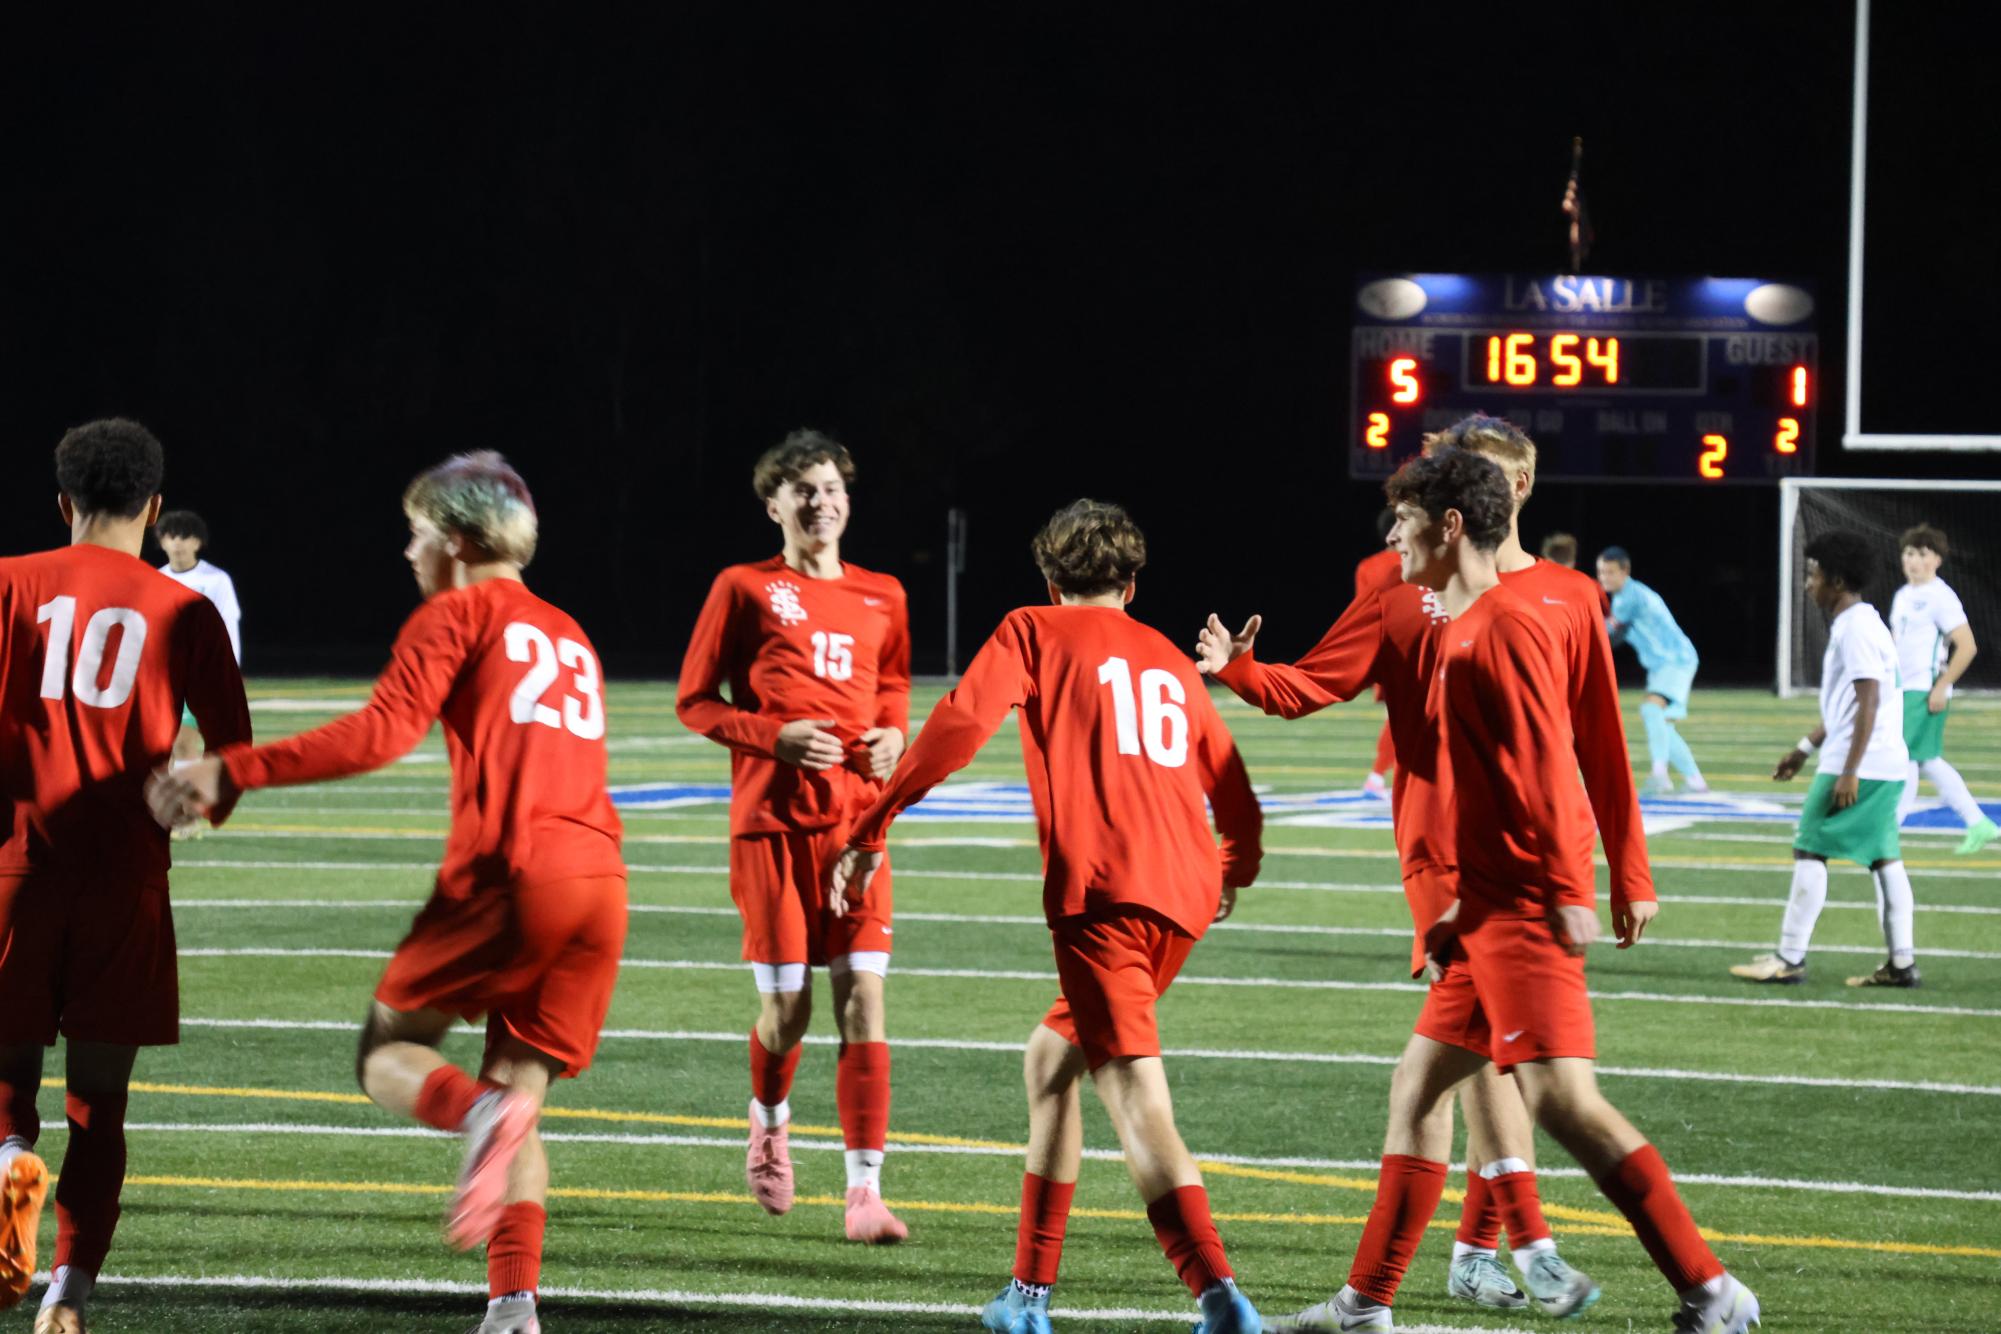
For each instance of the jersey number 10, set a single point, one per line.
(59, 614)
(582, 714)
(1152, 716)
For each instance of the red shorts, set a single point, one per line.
(1114, 967)
(1531, 989)
(539, 960)
(779, 882)
(92, 962)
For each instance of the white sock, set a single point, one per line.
(525, 1295)
(1461, 1249)
(1909, 801)
(67, 1287)
(865, 1169)
(1809, 896)
(1953, 788)
(1896, 905)
(771, 1117)
(1526, 1254)
(1501, 1167)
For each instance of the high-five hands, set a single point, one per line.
(1216, 648)
(853, 870)
(180, 794)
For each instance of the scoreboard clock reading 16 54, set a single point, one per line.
(1705, 380)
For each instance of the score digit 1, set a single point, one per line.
(1714, 450)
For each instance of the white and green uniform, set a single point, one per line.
(1921, 616)
(215, 585)
(1859, 648)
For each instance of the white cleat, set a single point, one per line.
(510, 1316)
(1346, 1312)
(1733, 1311)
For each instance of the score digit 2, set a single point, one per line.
(1715, 449)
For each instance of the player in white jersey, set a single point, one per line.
(1934, 648)
(182, 535)
(1851, 809)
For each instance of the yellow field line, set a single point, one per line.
(629, 1196)
(1587, 1222)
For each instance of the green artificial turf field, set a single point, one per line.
(1836, 1143)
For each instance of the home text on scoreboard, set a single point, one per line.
(1701, 380)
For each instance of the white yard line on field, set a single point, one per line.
(735, 1144)
(1014, 1048)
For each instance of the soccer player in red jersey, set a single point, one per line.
(527, 919)
(1122, 744)
(1388, 640)
(815, 653)
(98, 653)
(1525, 910)
(1379, 570)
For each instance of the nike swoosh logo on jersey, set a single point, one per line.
(1510, 1037)
(871, 602)
(1554, 602)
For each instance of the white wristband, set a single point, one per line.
(1806, 746)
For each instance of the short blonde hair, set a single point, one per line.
(1497, 438)
(480, 497)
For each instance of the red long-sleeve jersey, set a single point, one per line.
(1121, 742)
(790, 647)
(98, 652)
(1521, 826)
(517, 686)
(1379, 570)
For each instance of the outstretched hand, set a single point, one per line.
(849, 879)
(1216, 648)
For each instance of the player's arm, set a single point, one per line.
(885, 740)
(215, 689)
(996, 682)
(1868, 699)
(1599, 736)
(232, 615)
(1339, 667)
(1524, 704)
(1789, 763)
(1959, 642)
(705, 668)
(1232, 802)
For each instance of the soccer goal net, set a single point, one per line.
(1969, 513)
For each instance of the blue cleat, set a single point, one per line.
(1227, 1311)
(1014, 1312)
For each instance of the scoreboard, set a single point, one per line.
(1700, 380)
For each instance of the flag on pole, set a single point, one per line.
(1581, 234)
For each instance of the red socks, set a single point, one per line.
(514, 1255)
(1407, 1192)
(771, 1076)
(1038, 1240)
(1386, 752)
(1519, 1205)
(861, 1091)
(448, 1094)
(93, 1174)
(1644, 1192)
(1181, 1221)
(1479, 1216)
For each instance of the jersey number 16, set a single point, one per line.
(1152, 716)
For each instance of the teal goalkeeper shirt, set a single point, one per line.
(1644, 621)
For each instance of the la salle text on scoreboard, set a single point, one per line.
(1701, 380)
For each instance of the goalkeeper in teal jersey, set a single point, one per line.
(1641, 619)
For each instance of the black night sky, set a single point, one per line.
(1011, 255)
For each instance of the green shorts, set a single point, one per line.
(1924, 731)
(1865, 833)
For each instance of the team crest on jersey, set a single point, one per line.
(785, 601)
(1434, 606)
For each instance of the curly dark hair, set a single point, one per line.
(183, 523)
(1089, 548)
(1458, 479)
(793, 455)
(1925, 538)
(113, 466)
(1845, 557)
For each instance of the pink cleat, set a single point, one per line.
(496, 1128)
(869, 1220)
(768, 1166)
